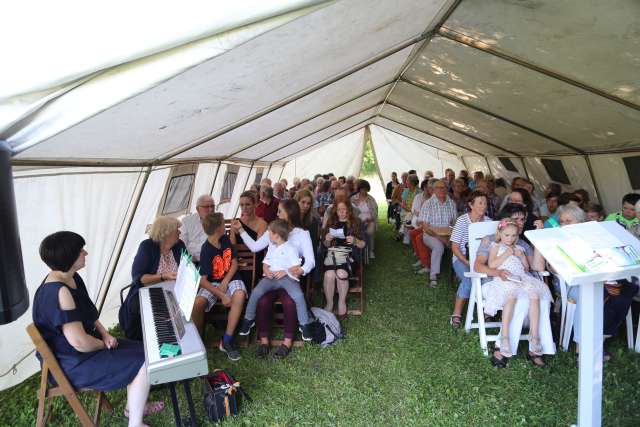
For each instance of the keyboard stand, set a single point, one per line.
(192, 420)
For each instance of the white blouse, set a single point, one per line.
(298, 238)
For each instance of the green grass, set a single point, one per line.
(401, 364)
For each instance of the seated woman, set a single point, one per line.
(310, 221)
(68, 321)
(337, 265)
(301, 240)
(618, 295)
(157, 260)
(368, 212)
(255, 228)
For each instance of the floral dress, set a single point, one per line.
(497, 291)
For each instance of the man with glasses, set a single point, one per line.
(192, 233)
(436, 217)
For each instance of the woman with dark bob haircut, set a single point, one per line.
(68, 321)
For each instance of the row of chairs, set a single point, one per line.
(477, 232)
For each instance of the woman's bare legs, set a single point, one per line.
(137, 394)
(342, 279)
(534, 325)
(507, 315)
(329, 285)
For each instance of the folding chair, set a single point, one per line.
(477, 231)
(64, 388)
(356, 288)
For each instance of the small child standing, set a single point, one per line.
(280, 257)
(502, 294)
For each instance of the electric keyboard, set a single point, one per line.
(162, 322)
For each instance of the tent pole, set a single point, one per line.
(593, 178)
(245, 187)
(524, 166)
(375, 157)
(268, 170)
(215, 177)
(281, 172)
(120, 244)
(484, 47)
(489, 166)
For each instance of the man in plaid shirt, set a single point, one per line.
(436, 216)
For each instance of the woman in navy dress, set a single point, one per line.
(68, 321)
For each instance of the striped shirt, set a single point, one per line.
(438, 214)
(460, 233)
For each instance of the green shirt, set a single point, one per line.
(620, 219)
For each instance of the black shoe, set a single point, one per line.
(281, 352)
(232, 352)
(245, 327)
(305, 331)
(263, 351)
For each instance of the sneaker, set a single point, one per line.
(232, 353)
(305, 331)
(418, 264)
(433, 283)
(245, 327)
(263, 351)
(423, 270)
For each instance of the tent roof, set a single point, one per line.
(482, 77)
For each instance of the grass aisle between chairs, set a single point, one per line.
(401, 364)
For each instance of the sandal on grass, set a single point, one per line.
(535, 346)
(499, 360)
(281, 352)
(536, 360)
(150, 408)
(263, 351)
(505, 347)
(455, 320)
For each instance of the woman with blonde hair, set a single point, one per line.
(157, 260)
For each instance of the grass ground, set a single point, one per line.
(401, 365)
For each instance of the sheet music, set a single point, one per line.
(338, 233)
(186, 287)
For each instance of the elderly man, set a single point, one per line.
(192, 233)
(267, 208)
(437, 215)
(279, 191)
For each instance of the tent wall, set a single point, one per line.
(476, 163)
(343, 157)
(204, 180)
(90, 201)
(613, 181)
(575, 167)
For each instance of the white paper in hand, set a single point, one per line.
(186, 287)
(337, 233)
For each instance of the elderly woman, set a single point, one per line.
(368, 212)
(66, 317)
(618, 295)
(300, 239)
(337, 271)
(255, 228)
(157, 260)
(477, 205)
(408, 194)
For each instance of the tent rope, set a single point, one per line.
(14, 368)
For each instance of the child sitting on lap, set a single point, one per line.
(280, 257)
(502, 294)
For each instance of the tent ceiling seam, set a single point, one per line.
(413, 139)
(455, 130)
(347, 130)
(226, 129)
(479, 45)
(428, 133)
(495, 115)
(368, 92)
(319, 130)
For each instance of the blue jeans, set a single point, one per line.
(464, 289)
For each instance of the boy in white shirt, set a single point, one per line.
(280, 257)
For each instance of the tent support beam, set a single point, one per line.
(320, 130)
(524, 166)
(419, 48)
(426, 133)
(120, 245)
(246, 182)
(311, 89)
(502, 118)
(268, 171)
(350, 129)
(593, 178)
(306, 120)
(488, 165)
(421, 142)
(484, 47)
(468, 135)
(215, 177)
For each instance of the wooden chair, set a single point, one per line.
(356, 289)
(64, 388)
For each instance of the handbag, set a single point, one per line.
(222, 395)
(338, 255)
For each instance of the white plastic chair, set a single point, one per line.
(477, 231)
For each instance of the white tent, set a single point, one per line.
(118, 115)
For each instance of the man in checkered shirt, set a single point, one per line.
(436, 216)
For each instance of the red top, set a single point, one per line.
(268, 212)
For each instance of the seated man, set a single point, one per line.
(267, 208)
(627, 216)
(437, 215)
(219, 279)
(191, 232)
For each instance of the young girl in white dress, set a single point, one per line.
(500, 294)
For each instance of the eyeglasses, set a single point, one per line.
(207, 206)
